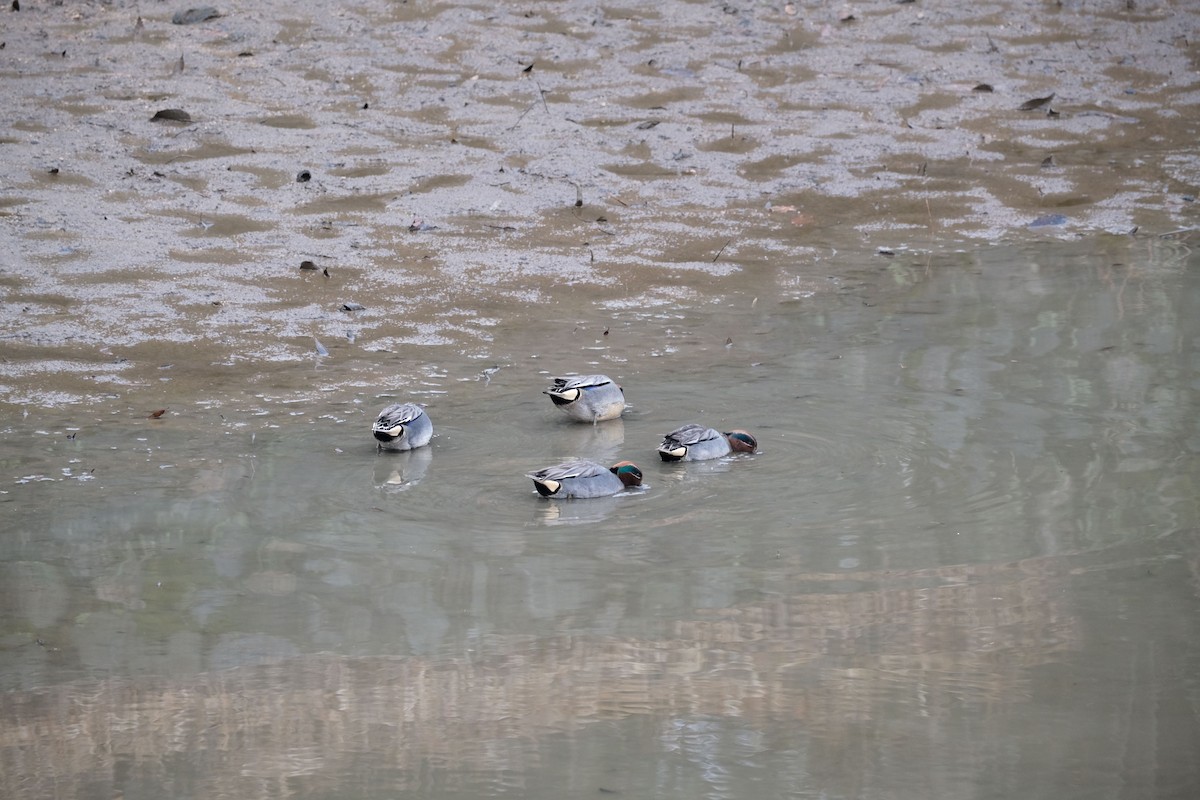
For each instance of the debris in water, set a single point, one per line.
(418, 226)
(1048, 161)
(1037, 102)
(1048, 220)
(321, 351)
(171, 115)
(353, 307)
(157, 414)
(885, 251)
(303, 176)
(722, 250)
(982, 87)
(645, 126)
(194, 15)
(308, 265)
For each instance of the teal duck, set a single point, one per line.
(585, 479)
(588, 398)
(402, 426)
(697, 443)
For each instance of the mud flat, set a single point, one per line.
(451, 166)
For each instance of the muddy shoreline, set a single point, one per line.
(479, 167)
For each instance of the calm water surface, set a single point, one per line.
(964, 564)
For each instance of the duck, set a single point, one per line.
(695, 442)
(402, 426)
(585, 479)
(588, 398)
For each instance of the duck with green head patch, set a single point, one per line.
(402, 426)
(695, 442)
(585, 479)
(588, 398)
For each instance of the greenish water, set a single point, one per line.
(964, 564)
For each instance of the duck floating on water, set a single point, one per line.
(402, 426)
(585, 479)
(695, 442)
(588, 398)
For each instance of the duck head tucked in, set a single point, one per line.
(402, 426)
(587, 398)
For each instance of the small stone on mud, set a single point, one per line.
(308, 265)
(171, 115)
(1036, 102)
(303, 176)
(193, 15)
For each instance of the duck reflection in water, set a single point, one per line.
(400, 471)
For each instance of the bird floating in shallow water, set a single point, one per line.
(588, 398)
(585, 479)
(402, 426)
(697, 443)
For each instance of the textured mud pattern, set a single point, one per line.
(444, 167)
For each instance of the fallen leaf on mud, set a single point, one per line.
(171, 115)
(193, 15)
(157, 414)
(983, 87)
(353, 307)
(308, 265)
(1037, 102)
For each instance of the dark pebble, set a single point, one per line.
(193, 15)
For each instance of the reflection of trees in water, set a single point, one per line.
(825, 658)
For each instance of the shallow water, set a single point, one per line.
(964, 563)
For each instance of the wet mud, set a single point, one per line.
(475, 168)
